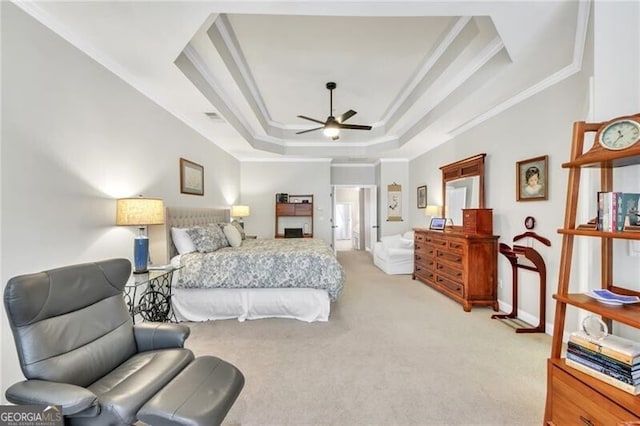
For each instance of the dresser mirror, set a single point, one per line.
(462, 187)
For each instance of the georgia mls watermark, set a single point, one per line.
(31, 415)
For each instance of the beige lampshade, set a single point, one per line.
(139, 211)
(432, 210)
(240, 211)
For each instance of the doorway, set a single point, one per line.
(354, 217)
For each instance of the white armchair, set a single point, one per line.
(394, 253)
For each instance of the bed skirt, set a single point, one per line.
(303, 304)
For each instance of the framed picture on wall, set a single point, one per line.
(532, 179)
(422, 197)
(191, 177)
(394, 203)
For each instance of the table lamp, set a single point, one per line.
(432, 210)
(140, 212)
(240, 212)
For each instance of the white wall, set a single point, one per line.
(395, 171)
(353, 174)
(262, 180)
(74, 138)
(539, 126)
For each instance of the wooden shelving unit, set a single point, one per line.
(572, 396)
(295, 213)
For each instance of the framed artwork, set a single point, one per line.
(437, 223)
(191, 178)
(422, 197)
(532, 179)
(394, 203)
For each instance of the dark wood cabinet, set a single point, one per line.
(463, 266)
(296, 213)
(477, 221)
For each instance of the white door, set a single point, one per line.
(369, 208)
(343, 221)
(370, 217)
(333, 219)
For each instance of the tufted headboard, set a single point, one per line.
(184, 217)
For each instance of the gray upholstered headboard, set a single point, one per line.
(184, 217)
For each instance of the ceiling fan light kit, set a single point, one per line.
(331, 127)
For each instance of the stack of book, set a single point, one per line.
(618, 211)
(612, 359)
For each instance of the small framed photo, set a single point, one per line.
(191, 178)
(438, 223)
(422, 197)
(532, 178)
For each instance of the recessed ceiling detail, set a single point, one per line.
(407, 76)
(419, 73)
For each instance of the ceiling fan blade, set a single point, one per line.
(347, 115)
(353, 126)
(311, 119)
(310, 130)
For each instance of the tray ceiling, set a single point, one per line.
(240, 73)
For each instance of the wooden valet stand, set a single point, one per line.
(512, 254)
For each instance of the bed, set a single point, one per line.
(262, 278)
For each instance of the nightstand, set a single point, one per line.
(148, 295)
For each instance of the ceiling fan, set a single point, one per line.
(333, 124)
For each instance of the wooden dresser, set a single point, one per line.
(461, 265)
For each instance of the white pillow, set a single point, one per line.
(409, 235)
(182, 240)
(233, 235)
(405, 243)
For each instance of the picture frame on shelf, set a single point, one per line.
(422, 197)
(191, 177)
(438, 223)
(532, 179)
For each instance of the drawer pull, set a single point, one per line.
(456, 246)
(586, 421)
(418, 257)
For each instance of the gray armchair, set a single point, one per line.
(79, 349)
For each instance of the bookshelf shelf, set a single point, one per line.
(633, 235)
(628, 314)
(295, 212)
(574, 397)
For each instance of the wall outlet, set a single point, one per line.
(500, 283)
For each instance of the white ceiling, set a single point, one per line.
(419, 72)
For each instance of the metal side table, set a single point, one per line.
(148, 296)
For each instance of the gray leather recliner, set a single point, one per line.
(78, 347)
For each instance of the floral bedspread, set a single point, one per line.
(265, 263)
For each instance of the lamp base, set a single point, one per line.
(140, 254)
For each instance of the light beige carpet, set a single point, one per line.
(394, 352)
